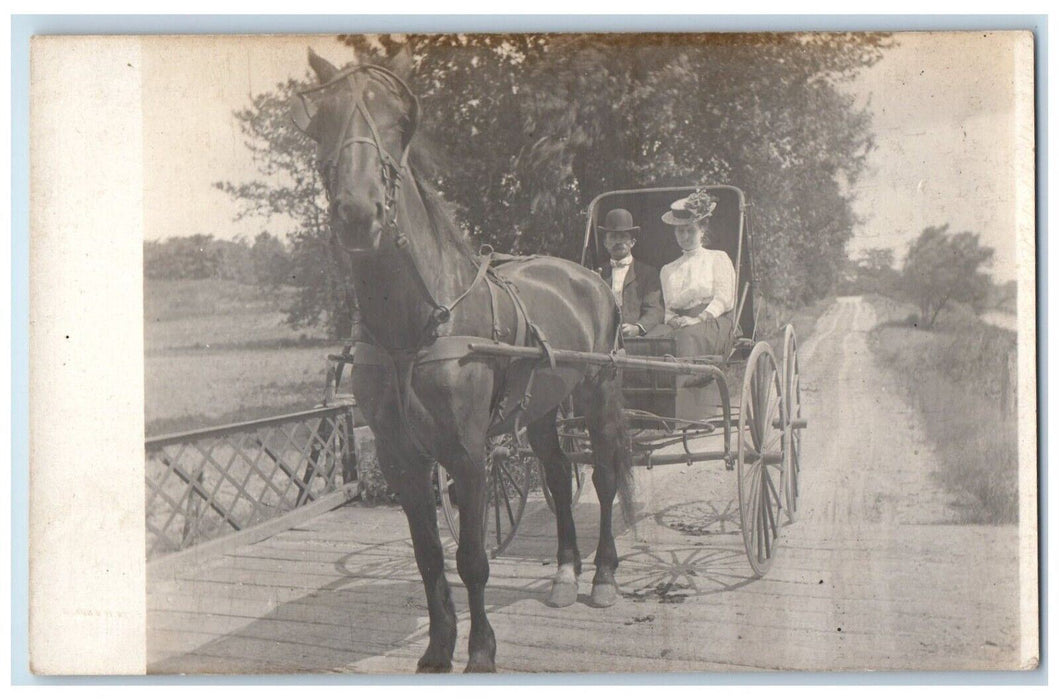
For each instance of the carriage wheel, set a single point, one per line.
(759, 457)
(792, 398)
(573, 438)
(507, 488)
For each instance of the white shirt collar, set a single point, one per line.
(624, 262)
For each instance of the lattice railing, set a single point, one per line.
(203, 484)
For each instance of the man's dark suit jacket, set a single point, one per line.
(641, 297)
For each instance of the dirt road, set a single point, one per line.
(873, 575)
(904, 588)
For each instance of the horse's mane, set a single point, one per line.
(423, 160)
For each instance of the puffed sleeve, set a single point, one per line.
(723, 286)
(666, 279)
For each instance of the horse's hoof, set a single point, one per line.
(433, 666)
(604, 595)
(480, 666)
(564, 593)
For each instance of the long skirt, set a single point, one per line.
(709, 337)
(697, 399)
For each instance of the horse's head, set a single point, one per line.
(362, 119)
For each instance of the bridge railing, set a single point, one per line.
(204, 484)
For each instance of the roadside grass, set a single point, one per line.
(774, 317)
(954, 375)
(219, 352)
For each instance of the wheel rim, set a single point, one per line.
(793, 437)
(760, 481)
(507, 488)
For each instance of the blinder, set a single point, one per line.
(304, 109)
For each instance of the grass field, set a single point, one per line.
(219, 352)
(955, 375)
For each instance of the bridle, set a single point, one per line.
(393, 172)
(392, 168)
(401, 360)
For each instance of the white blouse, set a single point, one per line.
(700, 276)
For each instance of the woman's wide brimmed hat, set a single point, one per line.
(695, 207)
(618, 221)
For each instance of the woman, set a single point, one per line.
(698, 288)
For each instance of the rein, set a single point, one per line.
(393, 169)
(393, 173)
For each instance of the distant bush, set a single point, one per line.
(264, 262)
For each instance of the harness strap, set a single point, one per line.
(521, 317)
(442, 313)
(494, 310)
(545, 345)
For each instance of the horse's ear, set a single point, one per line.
(401, 63)
(323, 69)
(301, 112)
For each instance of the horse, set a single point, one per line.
(422, 296)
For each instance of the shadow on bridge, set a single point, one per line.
(327, 597)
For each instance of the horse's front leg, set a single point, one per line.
(410, 476)
(468, 466)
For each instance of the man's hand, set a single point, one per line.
(630, 330)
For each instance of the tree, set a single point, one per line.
(182, 257)
(877, 259)
(270, 260)
(943, 267)
(289, 191)
(540, 124)
(872, 273)
(528, 128)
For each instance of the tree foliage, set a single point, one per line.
(201, 256)
(872, 273)
(531, 127)
(943, 267)
(878, 259)
(289, 190)
(540, 124)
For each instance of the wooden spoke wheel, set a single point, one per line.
(573, 438)
(792, 398)
(508, 478)
(759, 457)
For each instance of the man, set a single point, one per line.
(635, 284)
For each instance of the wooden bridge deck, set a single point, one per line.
(342, 594)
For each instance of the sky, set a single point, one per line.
(192, 86)
(942, 107)
(944, 121)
